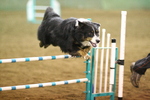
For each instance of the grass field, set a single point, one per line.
(18, 39)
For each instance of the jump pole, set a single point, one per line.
(106, 62)
(28, 59)
(101, 61)
(122, 53)
(43, 84)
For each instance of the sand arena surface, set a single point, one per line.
(18, 39)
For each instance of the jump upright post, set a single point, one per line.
(122, 54)
(35, 11)
(98, 88)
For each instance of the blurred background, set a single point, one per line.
(81, 4)
(18, 38)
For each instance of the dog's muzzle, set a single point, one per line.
(97, 41)
(94, 44)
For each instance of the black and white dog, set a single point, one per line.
(72, 35)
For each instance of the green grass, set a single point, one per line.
(18, 39)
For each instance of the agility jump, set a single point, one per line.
(91, 69)
(90, 65)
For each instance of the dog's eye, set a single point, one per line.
(97, 31)
(92, 31)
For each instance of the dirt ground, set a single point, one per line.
(18, 39)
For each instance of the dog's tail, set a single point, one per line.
(45, 27)
(49, 13)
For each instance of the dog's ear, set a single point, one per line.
(97, 24)
(78, 23)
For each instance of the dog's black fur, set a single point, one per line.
(66, 34)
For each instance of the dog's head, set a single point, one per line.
(88, 32)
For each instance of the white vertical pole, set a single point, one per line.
(102, 60)
(30, 10)
(106, 63)
(96, 67)
(56, 6)
(122, 53)
(112, 64)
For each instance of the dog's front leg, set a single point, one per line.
(84, 53)
(87, 57)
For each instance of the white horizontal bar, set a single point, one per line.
(39, 14)
(41, 7)
(14, 60)
(43, 84)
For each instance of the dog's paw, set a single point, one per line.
(87, 57)
(86, 43)
(45, 46)
(41, 44)
(74, 56)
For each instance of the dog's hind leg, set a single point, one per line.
(41, 45)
